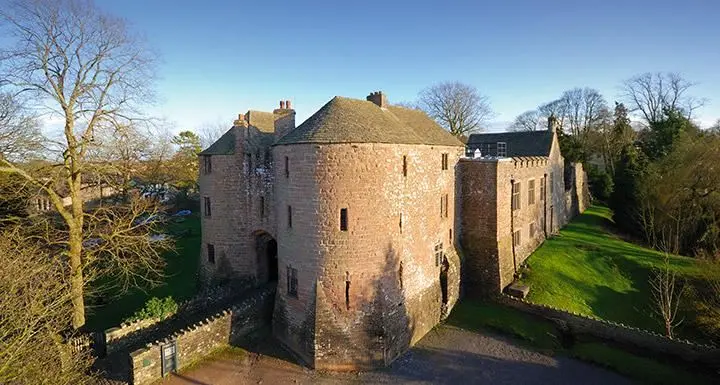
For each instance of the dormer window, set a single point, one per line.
(501, 149)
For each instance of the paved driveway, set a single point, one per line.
(447, 355)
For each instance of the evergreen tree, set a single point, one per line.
(627, 195)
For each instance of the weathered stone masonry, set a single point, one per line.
(357, 213)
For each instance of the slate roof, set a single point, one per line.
(262, 121)
(223, 146)
(524, 143)
(345, 120)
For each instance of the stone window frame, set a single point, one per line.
(532, 229)
(344, 219)
(404, 166)
(501, 149)
(517, 238)
(289, 217)
(445, 161)
(542, 189)
(438, 253)
(207, 205)
(292, 282)
(210, 248)
(531, 192)
(287, 167)
(207, 164)
(515, 200)
(262, 206)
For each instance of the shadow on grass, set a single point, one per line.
(180, 281)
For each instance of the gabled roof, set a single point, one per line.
(345, 120)
(523, 143)
(260, 120)
(223, 146)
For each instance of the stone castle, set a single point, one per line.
(368, 214)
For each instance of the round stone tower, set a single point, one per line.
(365, 204)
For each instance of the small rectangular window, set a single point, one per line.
(531, 192)
(444, 161)
(292, 282)
(208, 208)
(531, 230)
(516, 238)
(287, 167)
(207, 164)
(542, 189)
(347, 291)
(343, 220)
(450, 238)
(446, 205)
(400, 223)
(552, 188)
(289, 217)
(516, 196)
(404, 165)
(262, 207)
(211, 253)
(501, 149)
(438, 253)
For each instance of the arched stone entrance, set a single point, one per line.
(266, 252)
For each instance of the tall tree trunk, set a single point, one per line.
(75, 253)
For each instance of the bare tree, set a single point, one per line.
(35, 308)
(210, 132)
(584, 108)
(19, 131)
(85, 67)
(650, 94)
(667, 292)
(527, 121)
(458, 107)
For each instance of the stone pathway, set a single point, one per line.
(447, 355)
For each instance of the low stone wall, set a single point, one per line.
(119, 338)
(197, 341)
(579, 325)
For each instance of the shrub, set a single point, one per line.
(155, 308)
(601, 183)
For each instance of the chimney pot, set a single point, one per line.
(378, 98)
(287, 104)
(282, 104)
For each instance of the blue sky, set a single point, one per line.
(220, 58)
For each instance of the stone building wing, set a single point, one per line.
(345, 120)
(526, 143)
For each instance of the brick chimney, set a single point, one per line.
(240, 121)
(378, 98)
(284, 119)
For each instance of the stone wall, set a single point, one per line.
(366, 294)
(488, 221)
(119, 338)
(241, 188)
(198, 340)
(579, 325)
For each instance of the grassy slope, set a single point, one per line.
(590, 270)
(180, 281)
(541, 334)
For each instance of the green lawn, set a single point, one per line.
(542, 335)
(180, 281)
(590, 270)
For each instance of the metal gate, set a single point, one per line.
(168, 355)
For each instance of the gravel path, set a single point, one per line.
(447, 355)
